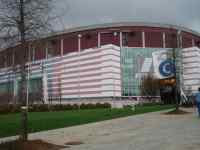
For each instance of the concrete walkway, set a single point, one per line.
(153, 131)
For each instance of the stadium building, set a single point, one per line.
(102, 61)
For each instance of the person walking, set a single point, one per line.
(198, 101)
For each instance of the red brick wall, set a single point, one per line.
(135, 39)
(109, 38)
(171, 39)
(56, 47)
(153, 39)
(89, 40)
(196, 41)
(9, 57)
(17, 56)
(70, 43)
(1, 60)
(40, 52)
(186, 39)
(6, 58)
(21, 56)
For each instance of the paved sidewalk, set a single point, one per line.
(153, 131)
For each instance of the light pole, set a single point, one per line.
(79, 54)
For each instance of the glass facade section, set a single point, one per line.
(6, 88)
(135, 63)
(35, 85)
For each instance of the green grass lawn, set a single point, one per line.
(40, 121)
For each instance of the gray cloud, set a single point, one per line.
(86, 12)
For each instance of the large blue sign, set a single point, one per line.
(167, 68)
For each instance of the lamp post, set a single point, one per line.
(79, 54)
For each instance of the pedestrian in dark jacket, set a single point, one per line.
(198, 101)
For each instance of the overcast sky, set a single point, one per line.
(87, 12)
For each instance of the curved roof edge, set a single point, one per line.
(114, 24)
(125, 24)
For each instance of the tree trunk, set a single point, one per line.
(24, 110)
(176, 79)
(24, 124)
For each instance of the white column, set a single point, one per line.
(15, 87)
(33, 57)
(121, 44)
(79, 42)
(15, 78)
(79, 51)
(45, 85)
(5, 61)
(113, 85)
(13, 58)
(193, 42)
(99, 39)
(179, 39)
(164, 40)
(46, 50)
(143, 39)
(61, 46)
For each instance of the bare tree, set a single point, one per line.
(22, 21)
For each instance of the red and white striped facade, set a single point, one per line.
(85, 62)
(191, 69)
(88, 73)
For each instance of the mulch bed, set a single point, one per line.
(74, 143)
(29, 145)
(177, 112)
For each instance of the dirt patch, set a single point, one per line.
(74, 143)
(177, 112)
(29, 145)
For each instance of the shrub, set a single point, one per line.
(90, 106)
(5, 109)
(127, 107)
(69, 107)
(14, 108)
(39, 108)
(95, 106)
(57, 107)
(75, 107)
(107, 105)
(104, 105)
(87, 106)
